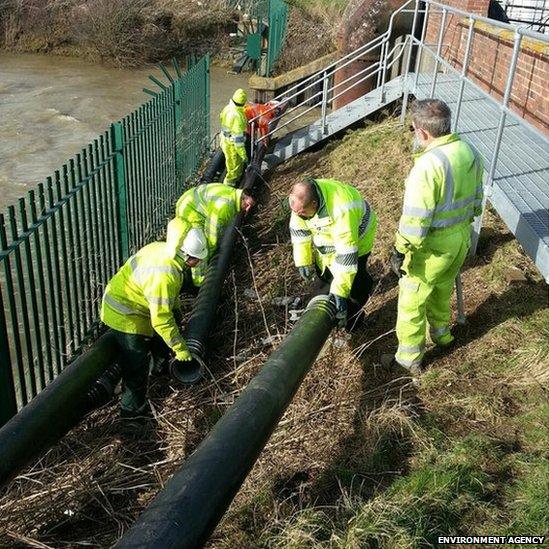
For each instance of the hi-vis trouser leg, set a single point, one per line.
(411, 321)
(233, 162)
(425, 293)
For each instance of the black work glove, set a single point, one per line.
(306, 272)
(341, 309)
(396, 260)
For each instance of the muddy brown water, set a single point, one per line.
(51, 107)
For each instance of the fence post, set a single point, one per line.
(177, 120)
(117, 136)
(207, 102)
(324, 103)
(8, 401)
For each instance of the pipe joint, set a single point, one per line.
(322, 303)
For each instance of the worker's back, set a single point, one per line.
(453, 169)
(150, 278)
(196, 204)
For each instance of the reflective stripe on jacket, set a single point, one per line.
(444, 189)
(233, 126)
(210, 206)
(140, 297)
(342, 230)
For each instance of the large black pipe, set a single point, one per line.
(215, 167)
(199, 326)
(201, 321)
(187, 510)
(57, 408)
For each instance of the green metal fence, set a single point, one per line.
(61, 243)
(278, 20)
(273, 14)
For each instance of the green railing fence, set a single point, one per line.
(278, 20)
(274, 15)
(61, 243)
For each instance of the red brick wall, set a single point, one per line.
(490, 60)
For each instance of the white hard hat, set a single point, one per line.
(195, 244)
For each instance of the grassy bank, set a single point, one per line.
(362, 458)
(311, 33)
(121, 32)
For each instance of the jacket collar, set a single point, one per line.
(438, 142)
(180, 262)
(322, 209)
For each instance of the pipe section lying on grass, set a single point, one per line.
(187, 510)
(55, 410)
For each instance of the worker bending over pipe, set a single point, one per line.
(139, 304)
(211, 207)
(332, 230)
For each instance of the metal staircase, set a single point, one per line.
(321, 92)
(516, 154)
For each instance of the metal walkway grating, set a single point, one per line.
(521, 181)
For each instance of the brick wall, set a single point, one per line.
(490, 60)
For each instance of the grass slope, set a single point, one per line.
(362, 458)
(397, 466)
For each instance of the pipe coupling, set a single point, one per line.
(323, 303)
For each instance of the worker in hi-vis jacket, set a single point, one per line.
(443, 194)
(332, 230)
(139, 303)
(233, 137)
(211, 206)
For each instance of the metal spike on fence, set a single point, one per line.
(150, 92)
(166, 72)
(161, 85)
(176, 67)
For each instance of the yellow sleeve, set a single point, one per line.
(418, 208)
(162, 292)
(302, 241)
(345, 264)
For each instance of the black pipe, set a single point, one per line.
(187, 510)
(199, 326)
(215, 167)
(57, 408)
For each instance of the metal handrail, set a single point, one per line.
(350, 57)
(324, 92)
(493, 22)
(380, 67)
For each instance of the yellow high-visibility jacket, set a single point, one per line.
(140, 297)
(211, 207)
(233, 128)
(342, 230)
(443, 190)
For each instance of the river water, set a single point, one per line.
(50, 107)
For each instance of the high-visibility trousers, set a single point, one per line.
(426, 290)
(233, 162)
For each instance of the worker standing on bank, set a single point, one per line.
(332, 230)
(443, 194)
(139, 303)
(233, 137)
(211, 207)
